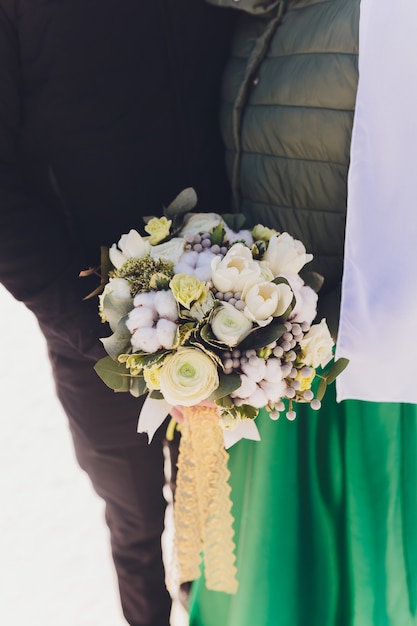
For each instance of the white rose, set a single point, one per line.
(171, 250)
(129, 246)
(235, 269)
(265, 300)
(230, 325)
(286, 254)
(187, 377)
(200, 223)
(317, 345)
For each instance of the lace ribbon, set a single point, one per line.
(202, 509)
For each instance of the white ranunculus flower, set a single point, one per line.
(187, 377)
(235, 269)
(317, 345)
(305, 309)
(286, 255)
(171, 250)
(200, 223)
(230, 325)
(129, 246)
(265, 300)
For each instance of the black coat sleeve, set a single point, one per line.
(39, 261)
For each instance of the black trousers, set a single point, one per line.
(128, 474)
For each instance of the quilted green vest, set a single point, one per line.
(288, 100)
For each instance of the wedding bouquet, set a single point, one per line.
(205, 312)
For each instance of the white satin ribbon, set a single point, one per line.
(378, 326)
(154, 412)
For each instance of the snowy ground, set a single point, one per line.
(55, 563)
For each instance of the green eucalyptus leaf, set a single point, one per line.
(321, 390)
(183, 203)
(138, 386)
(227, 384)
(119, 341)
(114, 374)
(336, 369)
(114, 309)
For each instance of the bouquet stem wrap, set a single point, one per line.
(202, 511)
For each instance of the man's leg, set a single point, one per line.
(128, 474)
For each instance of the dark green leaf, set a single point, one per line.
(235, 221)
(217, 236)
(312, 279)
(336, 369)
(227, 384)
(114, 374)
(261, 337)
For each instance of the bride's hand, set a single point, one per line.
(177, 412)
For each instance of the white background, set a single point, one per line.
(55, 563)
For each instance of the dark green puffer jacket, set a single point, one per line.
(289, 92)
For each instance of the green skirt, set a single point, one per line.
(325, 512)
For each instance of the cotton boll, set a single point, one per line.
(145, 299)
(258, 398)
(146, 340)
(273, 370)
(204, 258)
(166, 333)
(244, 235)
(183, 268)
(203, 273)
(247, 387)
(189, 258)
(140, 317)
(166, 305)
(274, 391)
(255, 369)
